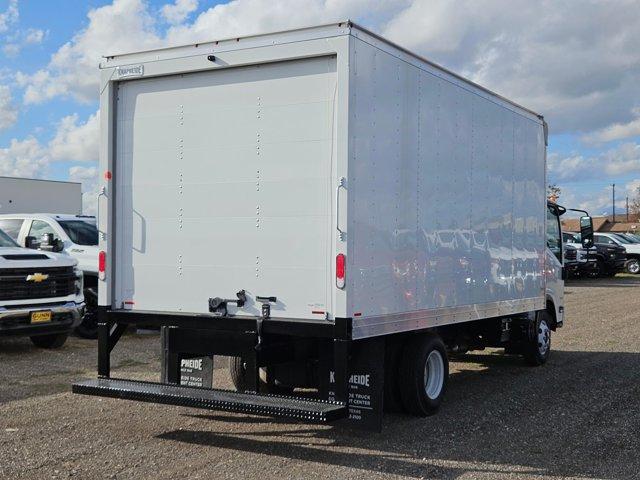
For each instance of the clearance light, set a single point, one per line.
(340, 270)
(102, 265)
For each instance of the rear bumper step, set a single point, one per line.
(268, 405)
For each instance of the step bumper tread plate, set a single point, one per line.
(212, 399)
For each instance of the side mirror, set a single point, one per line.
(586, 231)
(30, 242)
(58, 245)
(51, 244)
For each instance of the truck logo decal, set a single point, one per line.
(130, 71)
(37, 277)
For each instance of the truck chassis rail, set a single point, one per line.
(309, 410)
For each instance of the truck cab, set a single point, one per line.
(40, 294)
(73, 235)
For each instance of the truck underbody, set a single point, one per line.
(298, 369)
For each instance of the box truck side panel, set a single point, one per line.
(223, 184)
(447, 191)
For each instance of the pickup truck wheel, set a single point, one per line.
(538, 346)
(598, 270)
(424, 371)
(238, 373)
(50, 341)
(633, 266)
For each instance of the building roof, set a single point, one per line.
(623, 227)
(604, 224)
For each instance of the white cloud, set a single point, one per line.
(8, 110)
(124, 25)
(9, 16)
(21, 39)
(24, 158)
(575, 62)
(76, 141)
(178, 12)
(622, 160)
(616, 131)
(34, 36)
(244, 17)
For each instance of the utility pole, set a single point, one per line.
(627, 208)
(613, 185)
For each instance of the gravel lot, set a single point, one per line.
(577, 417)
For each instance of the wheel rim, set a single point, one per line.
(544, 337)
(434, 375)
(634, 267)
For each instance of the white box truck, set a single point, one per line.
(329, 209)
(32, 195)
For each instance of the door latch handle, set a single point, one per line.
(342, 183)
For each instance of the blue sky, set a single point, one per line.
(576, 62)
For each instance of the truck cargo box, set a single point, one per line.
(255, 164)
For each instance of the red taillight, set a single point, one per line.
(102, 265)
(340, 270)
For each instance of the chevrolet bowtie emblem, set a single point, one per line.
(37, 277)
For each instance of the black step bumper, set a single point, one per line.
(252, 403)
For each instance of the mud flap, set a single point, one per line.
(366, 384)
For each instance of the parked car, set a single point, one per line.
(606, 259)
(632, 247)
(40, 294)
(586, 259)
(75, 235)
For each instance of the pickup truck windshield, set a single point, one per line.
(80, 232)
(5, 240)
(622, 239)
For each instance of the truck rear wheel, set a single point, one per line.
(424, 372)
(538, 346)
(238, 373)
(50, 341)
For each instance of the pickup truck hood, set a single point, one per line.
(632, 248)
(11, 257)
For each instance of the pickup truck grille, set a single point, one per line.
(571, 254)
(59, 282)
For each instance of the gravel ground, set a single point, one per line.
(576, 417)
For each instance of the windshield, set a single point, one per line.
(629, 236)
(622, 239)
(80, 232)
(6, 241)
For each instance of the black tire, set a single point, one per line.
(633, 266)
(238, 374)
(50, 341)
(598, 270)
(537, 346)
(413, 381)
(393, 354)
(89, 326)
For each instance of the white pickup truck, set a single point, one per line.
(75, 235)
(40, 294)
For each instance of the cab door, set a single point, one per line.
(554, 262)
